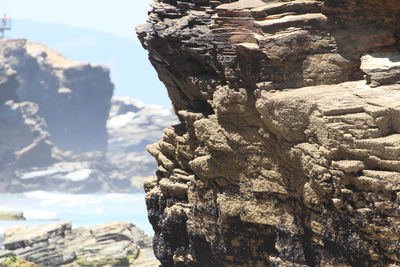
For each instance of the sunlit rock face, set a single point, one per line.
(73, 97)
(285, 154)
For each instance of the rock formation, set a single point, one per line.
(131, 126)
(23, 132)
(112, 244)
(74, 98)
(285, 154)
(29, 160)
(49, 104)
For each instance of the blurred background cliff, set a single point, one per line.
(79, 102)
(85, 97)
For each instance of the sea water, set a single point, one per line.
(40, 207)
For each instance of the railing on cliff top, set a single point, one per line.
(5, 24)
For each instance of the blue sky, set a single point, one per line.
(95, 31)
(113, 16)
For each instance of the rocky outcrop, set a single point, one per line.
(74, 98)
(49, 104)
(23, 132)
(24, 136)
(8, 84)
(113, 244)
(30, 161)
(131, 126)
(285, 155)
(56, 125)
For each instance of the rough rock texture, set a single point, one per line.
(113, 244)
(74, 98)
(260, 173)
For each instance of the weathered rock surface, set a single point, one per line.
(260, 173)
(113, 244)
(381, 68)
(8, 84)
(74, 98)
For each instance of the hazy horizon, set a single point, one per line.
(87, 37)
(103, 15)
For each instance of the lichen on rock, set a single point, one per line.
(285, 155)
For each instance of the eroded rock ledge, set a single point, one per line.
(260, 173)
(58, 244)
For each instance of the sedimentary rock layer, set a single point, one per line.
(285, 155)
(112, 244)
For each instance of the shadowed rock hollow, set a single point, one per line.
(285, 155)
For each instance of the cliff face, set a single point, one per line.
(74, 98)
(49, 104)
(8, 84)
(24, 134)
(285, 155)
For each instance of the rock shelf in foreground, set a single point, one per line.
(113, 244)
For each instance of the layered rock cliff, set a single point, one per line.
(50, 105)
(41, 118)
(74, 98)
(285, 154)
(24, 135)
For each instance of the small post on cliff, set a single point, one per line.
(5, 25)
